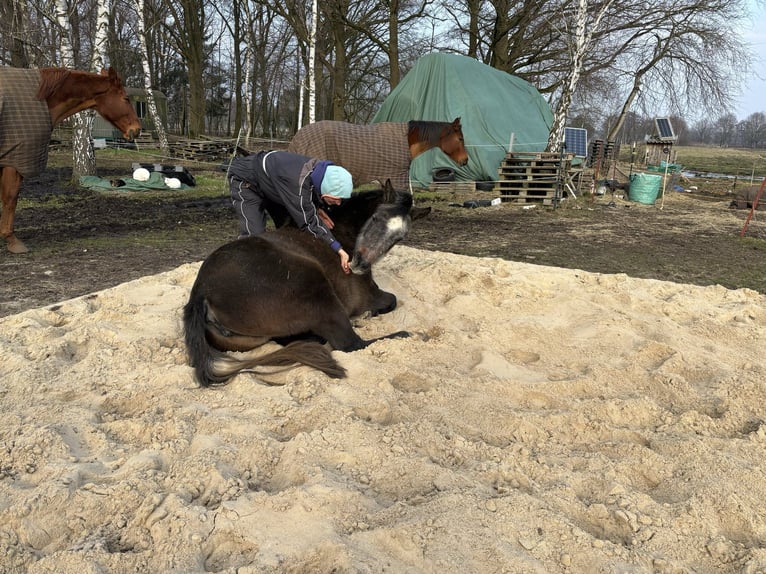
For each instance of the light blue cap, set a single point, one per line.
(337, 182)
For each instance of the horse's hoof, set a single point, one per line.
(16, 246)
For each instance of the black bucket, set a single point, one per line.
(443, 174)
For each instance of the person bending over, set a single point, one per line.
(285, 184)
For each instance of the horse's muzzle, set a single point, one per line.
(360, 266)
(132, 134)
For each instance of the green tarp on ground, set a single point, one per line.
(493, 107)
(156, 181)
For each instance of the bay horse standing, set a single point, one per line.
(32, 102)
(286, 286)
(380, 151)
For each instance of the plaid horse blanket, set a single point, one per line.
(25, 122)
(373, 152)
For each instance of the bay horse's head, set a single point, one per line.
(387, 226)
(114, 106)
(451, 142)
(423, 135)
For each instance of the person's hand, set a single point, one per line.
(344, 261)
(328, 223)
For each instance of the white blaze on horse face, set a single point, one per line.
(396, 224)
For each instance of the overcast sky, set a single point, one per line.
(754, 92)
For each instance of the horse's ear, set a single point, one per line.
(456, 122)
(389, 193)
(114, 77)
(404, 199)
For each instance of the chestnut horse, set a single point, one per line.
(286, 286)
(32, 102)
(380, 151)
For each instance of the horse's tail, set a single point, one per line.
(214, 367)
(309, 353)
(198, 350)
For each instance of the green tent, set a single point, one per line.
(495, 108)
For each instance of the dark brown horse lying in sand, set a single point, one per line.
(286, 286)
(32, 102)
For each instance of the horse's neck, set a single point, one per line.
(346, 234)
(63, 109)
(416, 148)
(418, 143)
(65, 102)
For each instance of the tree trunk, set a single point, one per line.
(393, 46)
(15, 12)
(83, 157)
(151, 102)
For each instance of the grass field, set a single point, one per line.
(742, 163)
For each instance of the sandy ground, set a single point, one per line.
(543, 420)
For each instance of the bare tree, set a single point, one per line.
(14, 32)
(754, 130)
(677, 54)
(681, 58)
(586, 24)
(151, 102)
(726, 129)
(187, 26)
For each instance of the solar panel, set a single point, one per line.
(576, 141)
(664, 129)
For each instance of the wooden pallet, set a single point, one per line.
(202, 150)
(453, 186)
(144, 140)
(530, 177)
(546, 198)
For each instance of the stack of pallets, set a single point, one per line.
(202, 150)
(531, 177)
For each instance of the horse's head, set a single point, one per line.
(451, 142)
(115, 107)
(387, 226)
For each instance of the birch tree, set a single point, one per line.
(151, 101)
(580, 43)
(83, 157)
(66, 49)
(83, 154)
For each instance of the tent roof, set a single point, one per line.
(493, 106)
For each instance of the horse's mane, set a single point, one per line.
(429, 131)
(52, 80)
(356, 209)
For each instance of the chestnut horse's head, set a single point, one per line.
(114, 106)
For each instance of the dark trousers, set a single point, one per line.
(251, 208)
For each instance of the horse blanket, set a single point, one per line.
(374, 152)
(25, 122)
